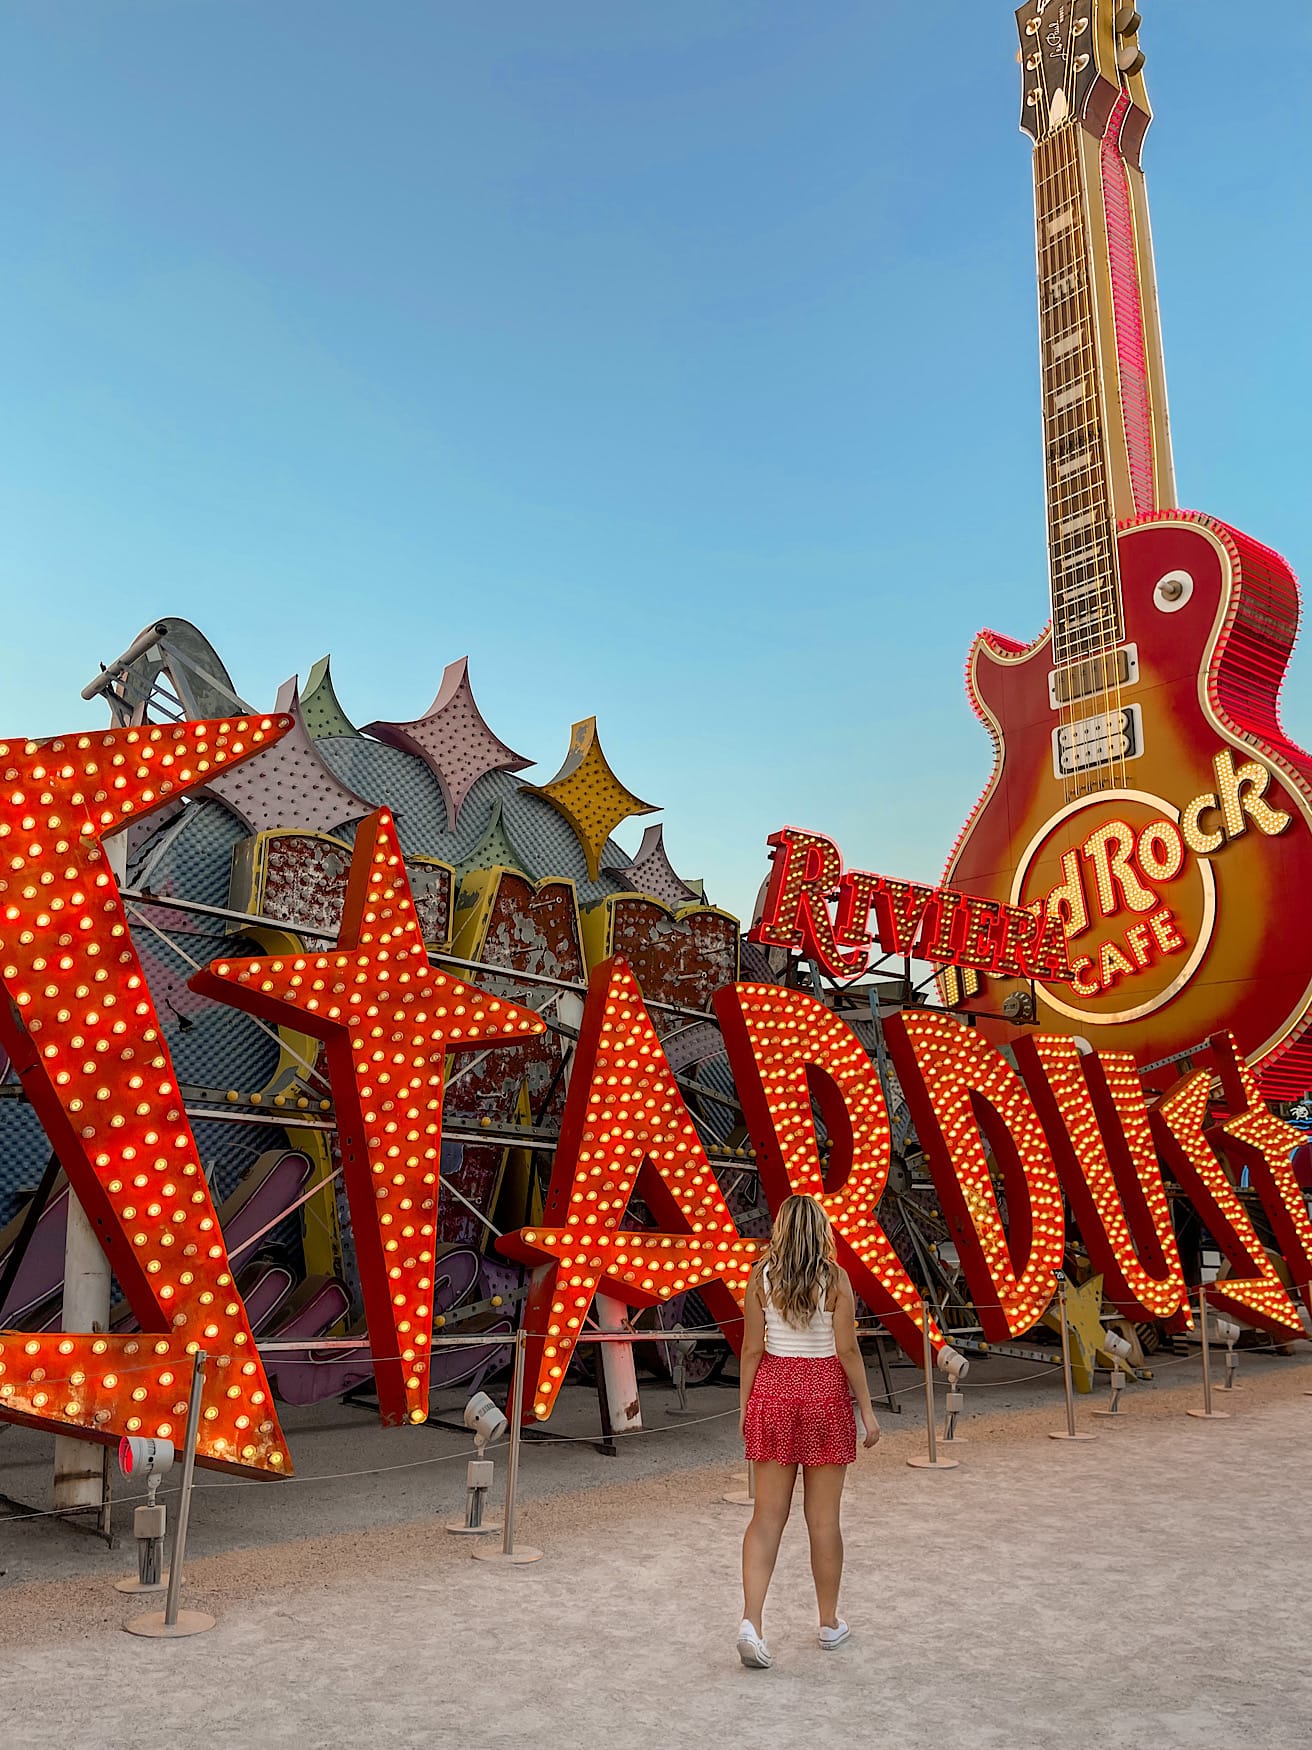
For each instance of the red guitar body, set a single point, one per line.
(1186, 878)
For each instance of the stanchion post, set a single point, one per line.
(1068, 1384)
(933, 1462)
(172, 1623)
(1207, 1413)
(743, 1497)
(508, 1553)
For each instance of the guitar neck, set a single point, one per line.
(1106, 438)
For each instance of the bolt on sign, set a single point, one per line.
(83, 1034)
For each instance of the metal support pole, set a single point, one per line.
(172, 1623)
(743, 1497)
(1207, 1413)
(79, 1465)
(933, 1462)
(1068, 1384)
(508, 1553)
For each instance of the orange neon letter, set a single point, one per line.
(965, 1097)
(86, 1041)
(1263, 1143)
(1097, 1122)
(1253, 1292)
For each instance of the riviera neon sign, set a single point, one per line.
(940, 924)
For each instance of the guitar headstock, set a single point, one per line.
(1077, 57)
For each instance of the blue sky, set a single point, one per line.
(677, 363)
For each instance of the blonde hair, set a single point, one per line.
(802, 1259)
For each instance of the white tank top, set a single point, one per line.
(815, 1338)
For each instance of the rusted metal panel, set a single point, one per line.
(300, 877)
(679, 956)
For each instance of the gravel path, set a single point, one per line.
(1141, 1592)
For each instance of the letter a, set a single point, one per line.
(625, 1126)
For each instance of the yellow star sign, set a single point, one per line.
(1084, 1321)
(589, 795)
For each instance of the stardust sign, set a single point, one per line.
(81, 1028)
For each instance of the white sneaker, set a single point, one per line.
(829, 1638)
(752, 1650)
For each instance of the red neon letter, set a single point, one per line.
(1252, 1293)
(784, 1048)
(804, 872)
(625, 1123)
(1097, 1122)
(957, 1086)
(1264, 1144)
(85, 1038)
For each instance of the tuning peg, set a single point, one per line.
(1130, 59)
(1126, 21)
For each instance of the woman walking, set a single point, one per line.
(801, 1367)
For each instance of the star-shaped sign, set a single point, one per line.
(388, 1019)
(624, 1116)
(589, 795)
(453, 739)
(82, 1031)
(1084, 1322)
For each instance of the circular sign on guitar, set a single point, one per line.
(1138, 906)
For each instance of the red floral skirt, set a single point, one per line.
(800, 1412)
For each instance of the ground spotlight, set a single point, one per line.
(952, 1362)
(487, 1423)
(1114, 1344)
(149, 1461)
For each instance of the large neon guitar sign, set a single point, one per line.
(1143, 790)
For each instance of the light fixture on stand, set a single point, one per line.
(150, 1461)
(1229, 1333)
(952, 1362)
(487, 1424)
(1119, 1349)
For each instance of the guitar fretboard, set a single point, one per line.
(1086, 600)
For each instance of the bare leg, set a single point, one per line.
(774, 1499)
(822, 1492)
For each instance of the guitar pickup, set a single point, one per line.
(1097, 741)
(1096, 674)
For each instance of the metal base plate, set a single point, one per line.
(739, 1498)
(519, 1557)
(1063, 1435)
(458, 1528)
(134, 1585)
(1110, 1415)
(1209, 1415)
(190, 1622)
(933, 1464)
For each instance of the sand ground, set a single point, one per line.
(1141, 1592)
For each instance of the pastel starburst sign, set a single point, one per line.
(454, 740)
